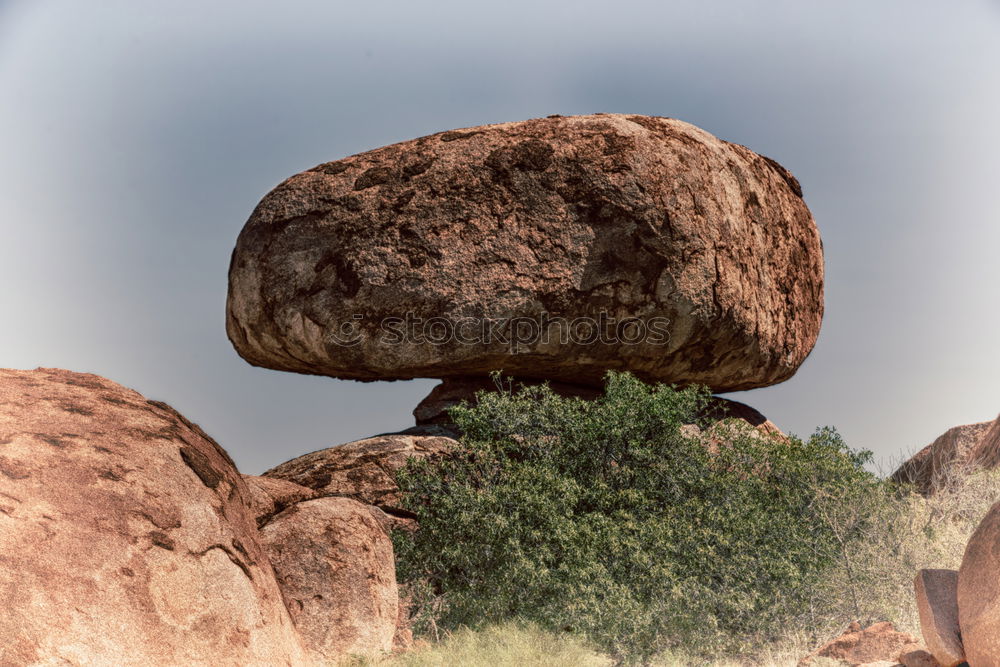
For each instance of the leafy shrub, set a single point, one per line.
(614, 519)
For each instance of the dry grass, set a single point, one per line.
(511, 644)
(524, 645)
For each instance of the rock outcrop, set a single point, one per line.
(954, 452)
(875, 644)
(979, 593)
(937, 604)
(124, 535)
(334, 563)
(363, 470)
(986, 453)
(555, 248)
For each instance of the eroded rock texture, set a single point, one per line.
(269, 496)
(124, 536)
(605, 216)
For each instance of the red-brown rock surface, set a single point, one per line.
(363, 470)
(564, 217)
(954, 452)
(124, 536)
(979, 593)
(937, 604)
(335, 566)
(874, 644)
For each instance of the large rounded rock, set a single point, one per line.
(979, 593)
(335, 564)
(124, 536)
(635, 243)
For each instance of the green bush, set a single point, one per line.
(613, 519)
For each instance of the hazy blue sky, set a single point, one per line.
(136, 137)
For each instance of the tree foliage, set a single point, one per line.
(617, 519)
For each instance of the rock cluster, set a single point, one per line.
(552, 250)
(960, 611)
(959, 617)
(157, 551)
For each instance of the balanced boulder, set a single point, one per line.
(124, 535)
(555, 248)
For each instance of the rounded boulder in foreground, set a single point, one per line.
(635, 243)
(979, 593)
(124, 535)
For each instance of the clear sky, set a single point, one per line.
(136, 137)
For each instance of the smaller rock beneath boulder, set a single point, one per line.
(433, 410)
(875, 644)
(269, 495)
(335, 566)
(364, 469)
(937, 603)
(452, 391)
